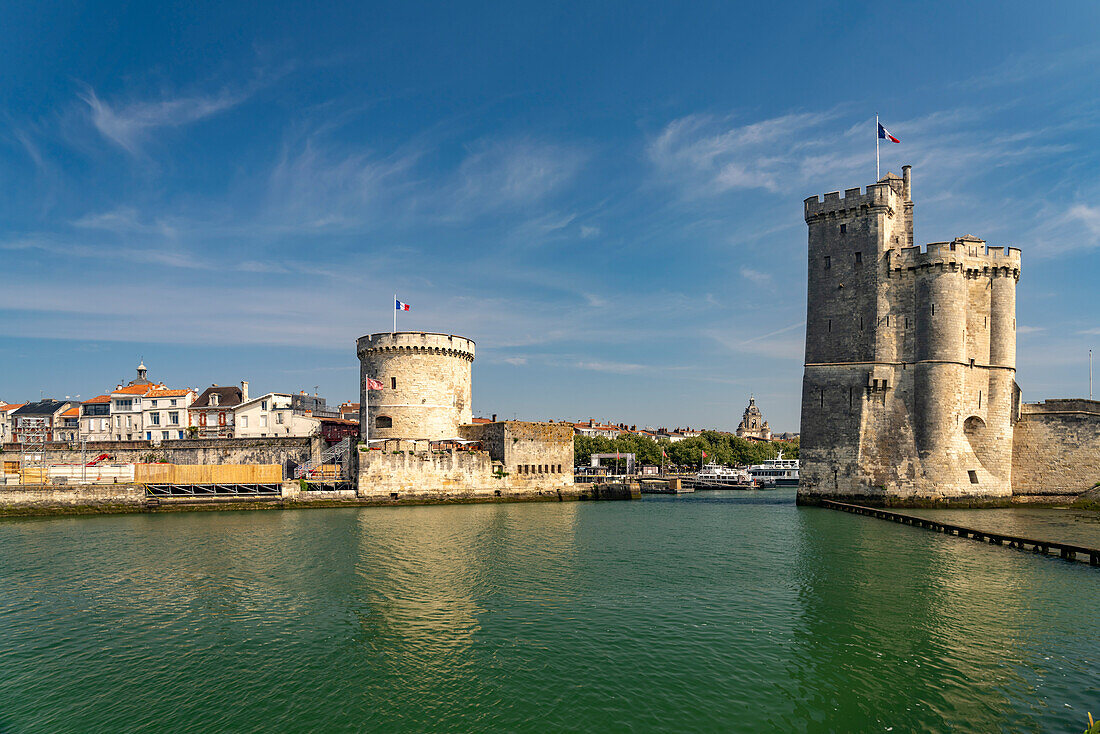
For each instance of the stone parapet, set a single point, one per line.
(967, 256)
(878, 197)
(422, 342)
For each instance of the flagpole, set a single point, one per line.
(394, 313)
(878, 168)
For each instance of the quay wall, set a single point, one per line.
(182, 451)
(30, 498)
(1056, 448)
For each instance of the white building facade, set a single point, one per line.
(272, 415)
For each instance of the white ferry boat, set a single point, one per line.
(784, 472)
(717, 476)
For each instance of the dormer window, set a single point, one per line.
(213, 399)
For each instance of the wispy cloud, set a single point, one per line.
(756, 276)
(505, 173)
(124, 220)
(130, 124)
(616, 368)
(710, 156)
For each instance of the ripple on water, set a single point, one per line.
(731, 611)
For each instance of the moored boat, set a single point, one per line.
(784, 472)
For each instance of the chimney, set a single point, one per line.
(906, 183)
(244, 391)
(494, 417)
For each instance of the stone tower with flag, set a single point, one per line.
(909, 392)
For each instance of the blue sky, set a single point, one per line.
(606, 197)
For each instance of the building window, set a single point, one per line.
(979, 398)
(213, 399)
(263, 405)
(828, 262)
(973, 476)
(859, 258)
(843, 228)
(933, 309)
(154, 419)
(279, 418)
(164, 435)
(174, 418)
(244, 421)
(153, 403)
(171, 403)
(263, 420)
(393, 383)
(383, 421)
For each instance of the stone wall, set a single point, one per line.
(1056, 448)
(90, 496)
(426, 383)
(518, 460)
(529, 451)
(184, 451)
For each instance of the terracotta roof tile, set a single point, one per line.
(98, 399)
(167, 393)
(13, 406)
(71, 412)
(134, 390)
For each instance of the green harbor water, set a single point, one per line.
(705, 612)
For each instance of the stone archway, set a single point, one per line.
(976, 435)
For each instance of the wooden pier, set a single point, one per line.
(1064, 550)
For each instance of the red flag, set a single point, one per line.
(373, 384)
(704, 454)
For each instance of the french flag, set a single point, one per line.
(401, 306)
(885, 134)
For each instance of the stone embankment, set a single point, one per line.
(77, 499)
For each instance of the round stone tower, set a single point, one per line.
(425, 384)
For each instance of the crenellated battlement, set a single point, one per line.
(890, 195)
(416, 341)
(855, 201)
(967, 255)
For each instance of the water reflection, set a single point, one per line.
(426, 578)
(924, 628)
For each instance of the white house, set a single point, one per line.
(95, 418)
(165, 413)
(272, 415)
(127, 412)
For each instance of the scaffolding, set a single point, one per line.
(32, 448)
(337, 455)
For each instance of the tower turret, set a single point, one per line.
(910, 355)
